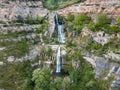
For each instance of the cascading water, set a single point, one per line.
(61, 36)
(56, 16)
(58, 67)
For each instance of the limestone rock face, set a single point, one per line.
(9, 10)
(93, 6)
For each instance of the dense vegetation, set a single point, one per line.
(56, 4)
(16, 76)
(81, 78)
(75, 24)
(25, 76)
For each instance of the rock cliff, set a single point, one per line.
(111, 7)
(10, 10)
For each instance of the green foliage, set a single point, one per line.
(42, 79)
(42, 28)
(38, 19)
(83, 76)
(96, 46)
(70, 17)
(20, 19)
(57, 4)
(46, 39)
(118, 20)
(114, 29)
(58, 81)
(16, 76)
(113, 44)
(79, 22)
(49, 51)
(81, 19)
(92, 26)
(69, 43)
(67, 57)
(39, 30)
(20, 48)
(29, 19)
(102, 19)
(56, 40)
(66, 83)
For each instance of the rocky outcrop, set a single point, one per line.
(113, 56)
(26, 27)
(111, 7)
(4, 30)
(10, 10)
(51, 21)
(101, 37)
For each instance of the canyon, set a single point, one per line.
(10, 10)
(55, 39)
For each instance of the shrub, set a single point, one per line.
(92, 26)
(81, 19)
(39, 30)
(118, 20)
(20, 19)
(114, 29)
(70, 17)
(102, 19)
(69, 43)
(96, 46)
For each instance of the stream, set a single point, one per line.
(61, 39)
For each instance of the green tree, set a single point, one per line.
(81, 19)
(18, 49)
(58, 83)
(42, 79)
(20, 19)
(16, 76)
(66, 83)
(79, 22)
(29, 19)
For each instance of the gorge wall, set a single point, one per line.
(111, 7)
(10, 10)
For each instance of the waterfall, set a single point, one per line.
(58, 67)
(61, 39)
(61, 36)
(56, 19)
